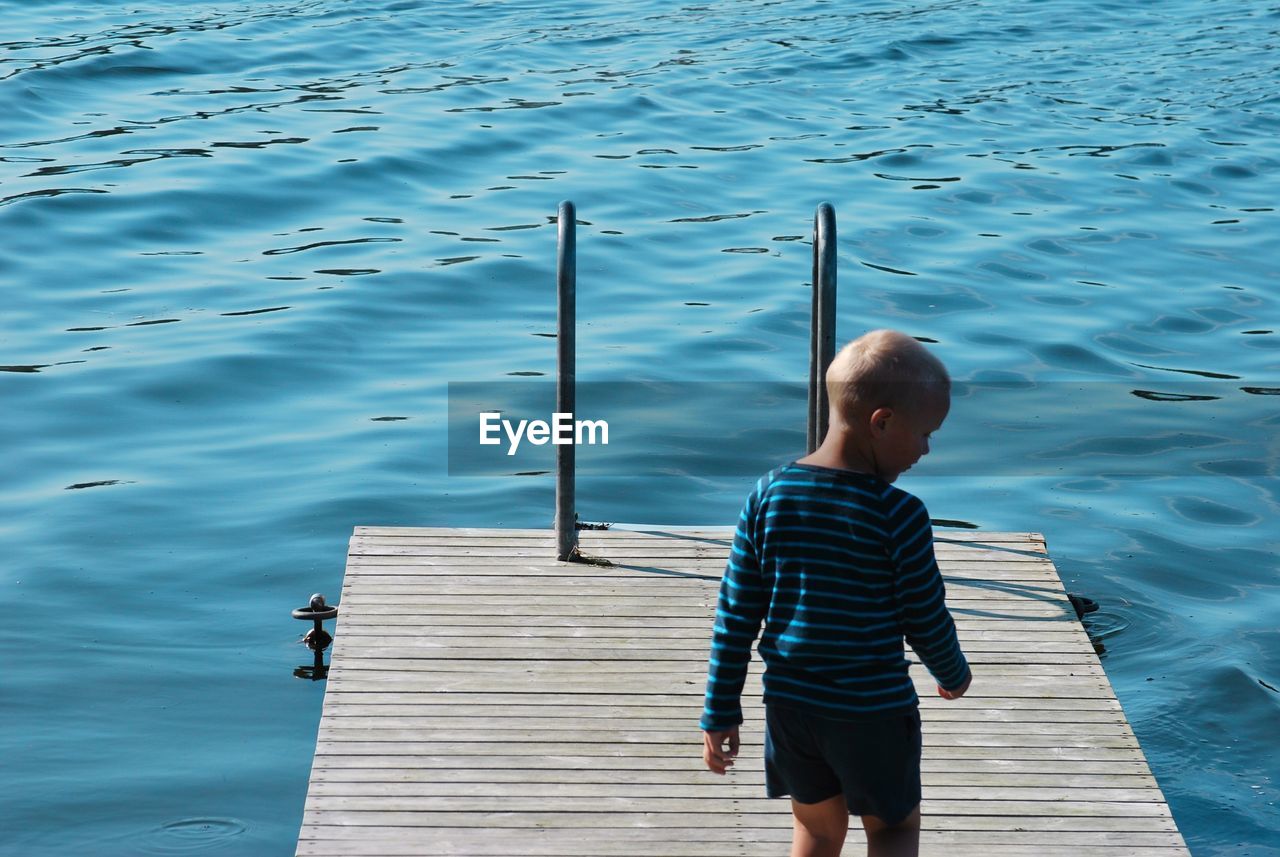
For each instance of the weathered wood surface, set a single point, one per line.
(487, 700)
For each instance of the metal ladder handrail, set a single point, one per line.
(822, 322)
(822, 339)
(566, 375)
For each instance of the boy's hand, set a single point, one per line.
(714, 753)
(958, 692)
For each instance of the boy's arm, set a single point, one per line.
(741, 607)
(921, 596)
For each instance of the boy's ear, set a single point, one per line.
(880, 419)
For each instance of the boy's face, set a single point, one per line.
(901, 437)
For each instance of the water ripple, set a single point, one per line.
(300, 249)
(191, 835)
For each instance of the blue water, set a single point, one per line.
(235, 237)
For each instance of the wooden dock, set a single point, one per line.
(484, 699)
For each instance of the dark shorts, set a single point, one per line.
(874, 763)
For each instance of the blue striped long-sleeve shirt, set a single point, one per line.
(839, 567)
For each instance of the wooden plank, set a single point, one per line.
(517, 802)
(610, 846)
(408, 630)
(570, 782)
(376, 634)
(708, 563)
(710, 571)
(1091, 735)
(670, 731)
(956, 784)
(583, 765)
(1060, 693)
(482, 605)
(427, 715)
(668, 699)
(677, 848)
(487, 700)
(621, 591)
(624, 555)
(974, 749)
(645, 531)
(653, 531)
(637, 585)
(418, 656)
(586, 677)
(701, 842)
(727, 816)
(586, 627)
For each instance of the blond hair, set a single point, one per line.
(884, 368)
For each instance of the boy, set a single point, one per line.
(839, 566)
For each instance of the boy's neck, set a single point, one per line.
(838, 452)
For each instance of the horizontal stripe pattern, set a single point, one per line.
(839, 569)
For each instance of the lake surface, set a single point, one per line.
(246, 247)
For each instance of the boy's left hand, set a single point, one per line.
(957, 692)
(717, 756)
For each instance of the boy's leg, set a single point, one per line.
(901, 840)
(819, 827)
